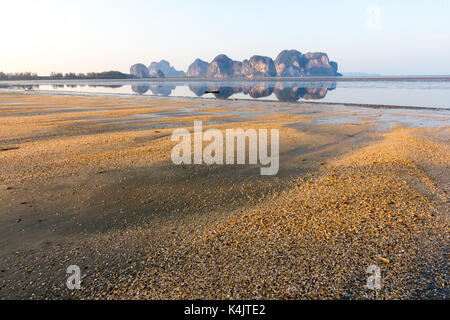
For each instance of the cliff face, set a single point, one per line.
(291, 63)
(165, 67)
(288, 63)
(334, 65)
(139, 70)
(221, 67)
(259, 67)
(197, 69)
(319, 64)
(159, 74)
(237, 69)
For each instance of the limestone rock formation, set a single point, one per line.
(159, 74)
(259, 67)
(139, 70)
(334, 65)
(290, 63)
(237, 69)
(165, 67)
(319, 64)
(221, 67)
(197, 69)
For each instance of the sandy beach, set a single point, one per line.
(88, 181)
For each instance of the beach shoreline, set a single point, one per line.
(199, 99)
(87, 180)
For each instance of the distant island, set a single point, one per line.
(288, 63)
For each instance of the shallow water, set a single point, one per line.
(427, 94)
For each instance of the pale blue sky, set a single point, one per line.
(413, 37)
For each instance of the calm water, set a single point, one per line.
(430, 94)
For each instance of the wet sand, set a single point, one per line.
(88, 181)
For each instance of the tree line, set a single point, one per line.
(65, 76)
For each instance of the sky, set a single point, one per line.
(402, 37)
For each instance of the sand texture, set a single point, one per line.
(88, 181)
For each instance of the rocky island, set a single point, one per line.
(160, 69)
(288, 63)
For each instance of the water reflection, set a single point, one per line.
(261, 91)
(140, 88)
(163, 89)
(283, 91)
(223, 92)
(198, 90)
(112, 86)
(19, 87)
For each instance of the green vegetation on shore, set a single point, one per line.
(66, 76)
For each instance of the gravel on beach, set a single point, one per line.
(105, 197)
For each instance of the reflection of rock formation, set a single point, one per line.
(198, 90)
(260, 90)
(287, 92)
(22, 87)
(315, 93)
(112, 86)
(140, 88)
(284, 92)
(162, 89)
(224, 92)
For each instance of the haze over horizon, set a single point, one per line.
(378, 36)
